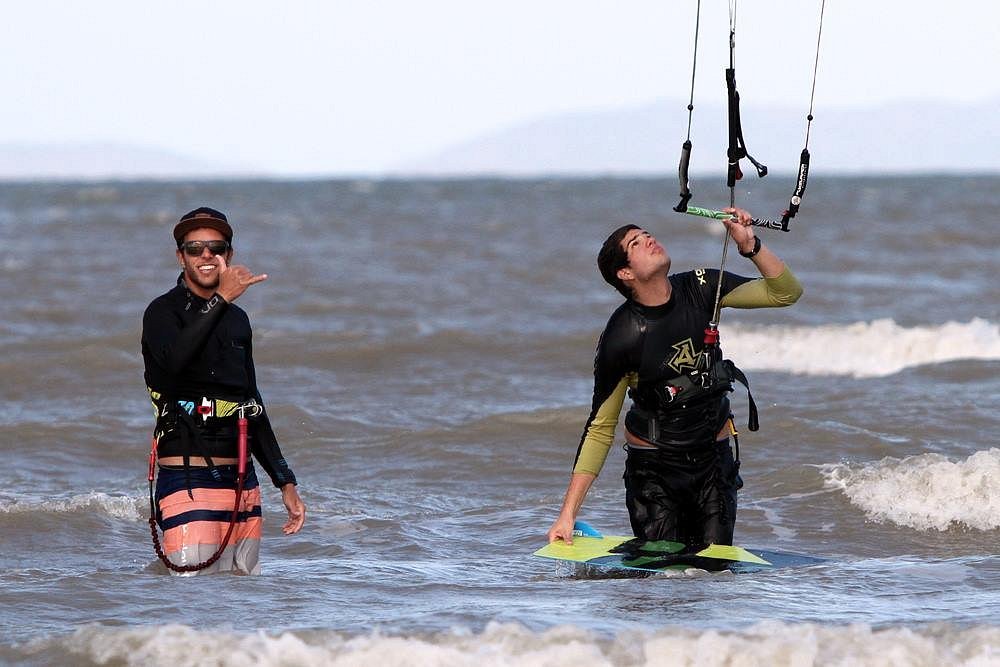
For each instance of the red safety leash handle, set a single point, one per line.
(152, 459)
(241, 466)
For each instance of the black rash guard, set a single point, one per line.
(643, 347)
(193, 348)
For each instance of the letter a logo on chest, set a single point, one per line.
(685, 357)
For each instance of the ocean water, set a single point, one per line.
(425, 349)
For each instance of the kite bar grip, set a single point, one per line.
(800, 187)
(767, 223)
(721, 215)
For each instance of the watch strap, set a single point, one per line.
(756, 248)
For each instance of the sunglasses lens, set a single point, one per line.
(195, 248)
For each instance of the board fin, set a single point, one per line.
(584, 529)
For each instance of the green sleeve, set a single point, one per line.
(601, 432)
(782, 290)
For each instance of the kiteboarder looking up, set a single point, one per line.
(197, 349)
(680, 476)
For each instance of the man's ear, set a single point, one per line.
(624, 274)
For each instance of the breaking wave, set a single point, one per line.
(862, 349)
(769, 643)
(119, 507)
(926, 492)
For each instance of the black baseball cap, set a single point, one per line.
(203, 217)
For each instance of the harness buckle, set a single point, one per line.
(206, 409)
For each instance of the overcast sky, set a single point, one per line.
(342, 87)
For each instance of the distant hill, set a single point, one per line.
(104, 161)
(904, 137)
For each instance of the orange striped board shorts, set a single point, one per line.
(194, 510)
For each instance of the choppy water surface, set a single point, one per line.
(425, 349)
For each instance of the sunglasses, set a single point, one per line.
(196, 248)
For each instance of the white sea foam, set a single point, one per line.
(771, 643)
(925, 492)
(119, 507)
(862, 349)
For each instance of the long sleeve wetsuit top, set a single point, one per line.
(643, 347)
(195, 348)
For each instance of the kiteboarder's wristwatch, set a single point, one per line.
(756, 248)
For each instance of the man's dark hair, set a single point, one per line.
(613, 257)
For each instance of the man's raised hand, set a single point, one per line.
(234, 280)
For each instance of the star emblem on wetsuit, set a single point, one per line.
(685, 357)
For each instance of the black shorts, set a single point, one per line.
(684, 496)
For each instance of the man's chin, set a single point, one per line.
(202, 281)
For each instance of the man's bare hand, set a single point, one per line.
(740, 229)
(562, 529)
(296, 509)
(234, 280)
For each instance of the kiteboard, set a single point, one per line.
(632, 555)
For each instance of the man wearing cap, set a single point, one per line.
(197, 349)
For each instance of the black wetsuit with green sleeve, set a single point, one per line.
(683, 487)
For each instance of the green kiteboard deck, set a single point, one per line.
(615, 552)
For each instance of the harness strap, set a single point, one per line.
(753, 423)
(189, 436)
(736, 439)
(217, 407)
